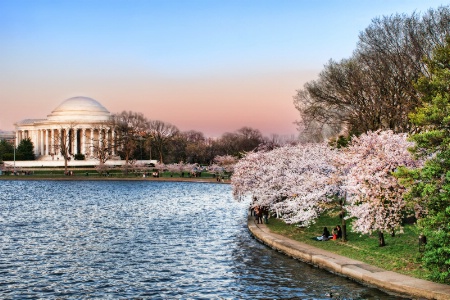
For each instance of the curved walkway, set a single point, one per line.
(386, 280)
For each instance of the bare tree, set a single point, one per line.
(63, 142)
(335, 100)
(102, 142)
(374, 88)
(129, 126)
(161, 133)
(249, 138)
(195, 146)
(242, 140)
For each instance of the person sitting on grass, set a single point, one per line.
(325, 235)
(338, 231)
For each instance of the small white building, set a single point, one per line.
(84, 119)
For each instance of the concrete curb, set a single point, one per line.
(385, 280)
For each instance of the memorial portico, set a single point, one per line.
(80, 122)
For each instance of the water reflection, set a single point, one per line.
(145, 240)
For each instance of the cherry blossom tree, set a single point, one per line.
(159, 167)
(300, 182)
(374, 195)
(222, 164)
(9, 168)
(293, 180)
(193, 169)
(175, 167)
(142, 168)
(181, 167)
(102, 168)
(245, 179)
(227, 162)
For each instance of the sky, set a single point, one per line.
(208, 65)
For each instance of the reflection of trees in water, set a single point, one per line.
(262, 272)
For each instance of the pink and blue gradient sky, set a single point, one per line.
(211, 66)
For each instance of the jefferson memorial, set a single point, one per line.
(84, 120)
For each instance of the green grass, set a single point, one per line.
(401, 253)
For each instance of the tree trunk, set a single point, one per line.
(342, 216)
(381, 242)
(160, 151)
(344, 231)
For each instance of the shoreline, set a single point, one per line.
(387, 281)
(111, 178)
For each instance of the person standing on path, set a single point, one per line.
(258, 213)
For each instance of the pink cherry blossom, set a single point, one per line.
(293, 180)
(374, 195)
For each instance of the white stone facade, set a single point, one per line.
(86, 122)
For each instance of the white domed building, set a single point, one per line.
(85, 121)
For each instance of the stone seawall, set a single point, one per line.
(385, 280)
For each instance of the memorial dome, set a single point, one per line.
(79, 108)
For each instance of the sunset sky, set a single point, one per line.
(207, 65)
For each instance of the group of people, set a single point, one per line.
(336, 234)
(261, 213)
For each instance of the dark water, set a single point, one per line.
(145, 240)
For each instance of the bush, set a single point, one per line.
(79, 156)
(10, 156)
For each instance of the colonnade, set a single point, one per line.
(78, 140)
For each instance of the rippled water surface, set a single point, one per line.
(145, 240)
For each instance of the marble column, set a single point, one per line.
(91, 147)
(58, 144)
(100, 139)
(70, 140)
(107, 135)
(83, 141)
(75, 141)
(52, 141)
(47, 147)
(113, 142)
(41, 141)
(35, 141)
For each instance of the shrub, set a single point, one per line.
(79, 156)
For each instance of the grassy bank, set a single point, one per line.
(401, 253)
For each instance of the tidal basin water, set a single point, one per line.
(145, 240)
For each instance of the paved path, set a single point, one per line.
(362, 272)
